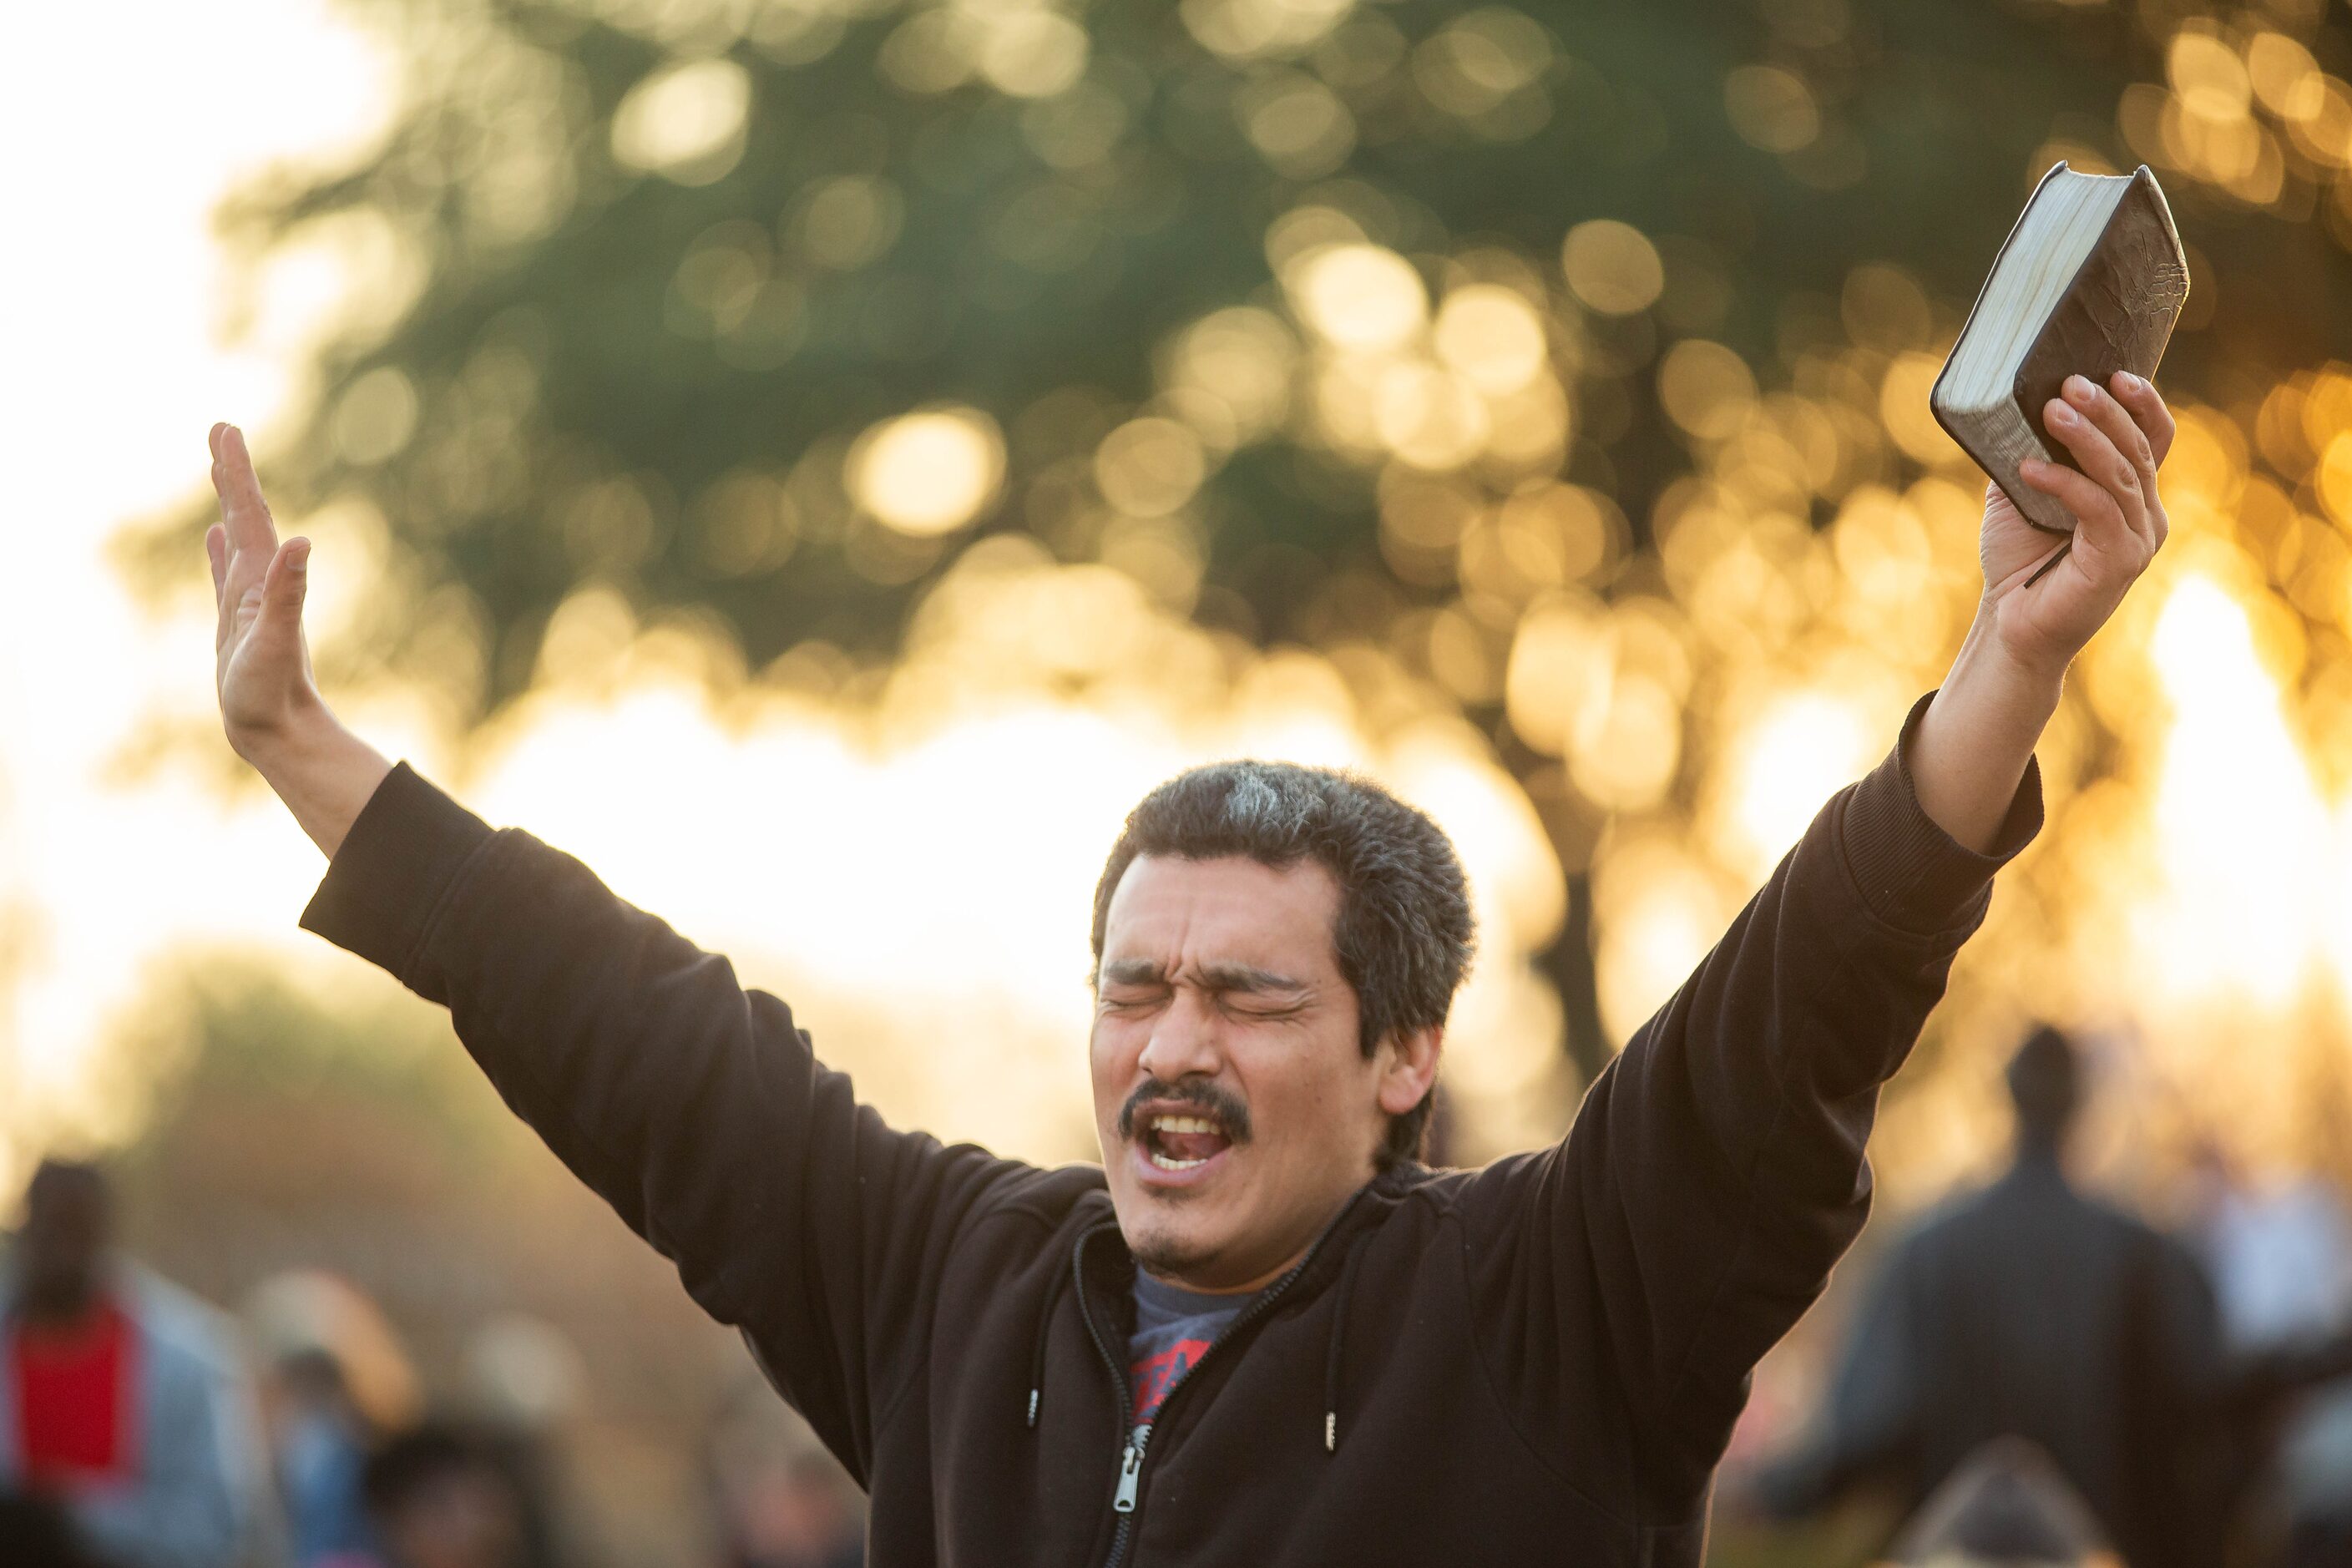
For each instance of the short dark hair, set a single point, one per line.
(2045, 1083)
(56, 1179)
(57, 1170)
(1403, 935)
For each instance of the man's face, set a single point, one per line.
(1236, 1108)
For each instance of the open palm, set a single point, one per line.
(2047, 595)
(261, 667)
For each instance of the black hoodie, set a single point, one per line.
(1538, 1361)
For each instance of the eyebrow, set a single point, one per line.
(1224, 978)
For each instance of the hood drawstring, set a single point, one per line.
(1338, 1341)
(1037, 1355)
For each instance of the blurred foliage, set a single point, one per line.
(221, 1027)
(1566, 367)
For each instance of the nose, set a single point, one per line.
(1183, 1041)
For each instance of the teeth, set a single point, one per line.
(1182, 1124)
(1165, 1164)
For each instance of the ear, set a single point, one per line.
(1407, 1061)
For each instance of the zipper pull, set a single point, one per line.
(1130, 1470)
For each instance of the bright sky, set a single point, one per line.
(129, 123)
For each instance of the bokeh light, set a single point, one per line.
(1360, 297)
(1613, 266)
(929, 472)
(687, 122)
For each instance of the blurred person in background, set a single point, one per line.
(2281, 1257)
(1261, 1331)
(523, 1380)
(778, 1499)
(2031, 1310)
(339, 1381)
(443, 1496)
(322, 1449)
(126, 1401)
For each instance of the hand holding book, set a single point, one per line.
(2043, 599)
(2048, 389)
(2047, 597)
(2090, 282)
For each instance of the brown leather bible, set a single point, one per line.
(2089, 282)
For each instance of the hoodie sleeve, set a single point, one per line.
(693, 1106)
(1714, 1173)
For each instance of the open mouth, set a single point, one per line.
(1181, 1141)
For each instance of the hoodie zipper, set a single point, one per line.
(1126, 1497)
(1130, 1457)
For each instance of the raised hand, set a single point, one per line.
(2047, 596)
(2043, 598)
(269, 703)
(261, 664)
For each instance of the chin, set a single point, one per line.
(1170, 1257)
(1163, 1242)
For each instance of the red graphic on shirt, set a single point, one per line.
(1150, 1379)
(71, 1389)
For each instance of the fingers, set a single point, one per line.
(2097, 452)
(2129, 473)
(2105, 441)
(283, 590)
(244, 514)
(2122, 431)
(2113, 421)
(2147, 410)
(2101, 531)
(216, 551)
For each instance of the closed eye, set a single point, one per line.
(1261, 1012)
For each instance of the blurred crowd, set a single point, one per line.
(2033, 1373)
(2038, 1375)
(141, 1427)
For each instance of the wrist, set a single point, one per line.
(1999, 678)
(1976, 740)
(323, 773)
(304, 728)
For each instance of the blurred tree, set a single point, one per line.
(1396, 322)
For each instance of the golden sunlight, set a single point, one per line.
(917, 876)
(2242, 835)
(1803, 748)
(928, 473)
(1362, 297)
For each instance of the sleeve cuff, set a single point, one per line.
(1910, 872)
(396, 866)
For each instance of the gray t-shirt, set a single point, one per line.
(1173, 1329)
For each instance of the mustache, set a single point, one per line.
(1220, 1102)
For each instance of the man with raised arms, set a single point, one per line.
(1261, 1332)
